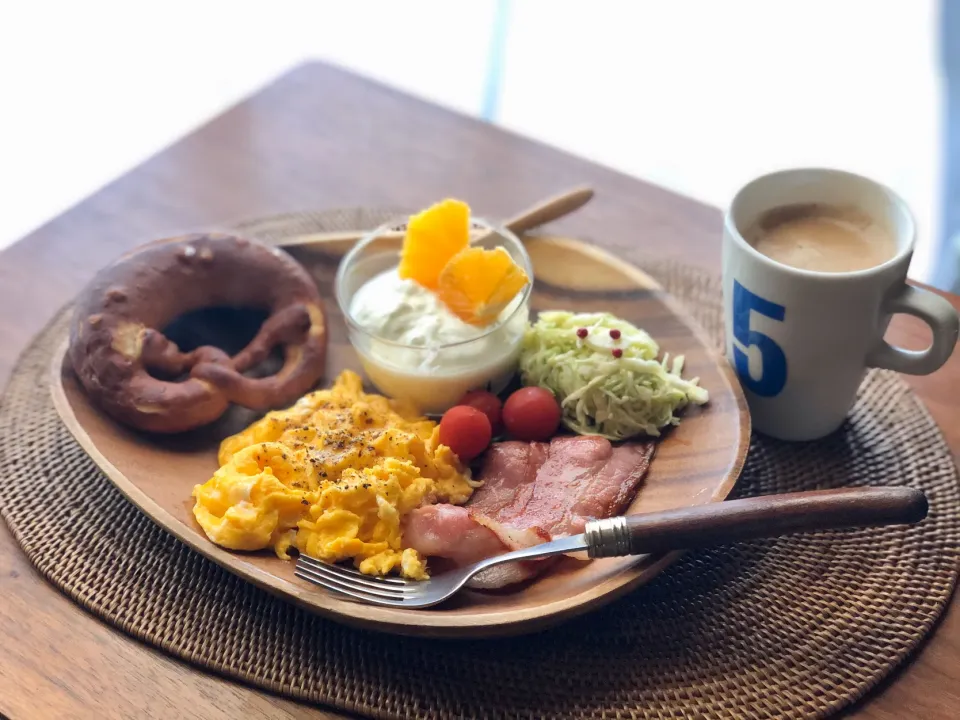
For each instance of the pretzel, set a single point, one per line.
(119, 352)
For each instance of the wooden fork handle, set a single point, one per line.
(759, 517)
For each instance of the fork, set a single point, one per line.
(682, 529)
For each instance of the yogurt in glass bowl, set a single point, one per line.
(410, 345)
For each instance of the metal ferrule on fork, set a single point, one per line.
(607, 538)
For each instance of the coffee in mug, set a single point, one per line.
(814, 266)
(824, 238)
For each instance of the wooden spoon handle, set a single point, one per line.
(540, 214)
(549, 210)
(759, 517)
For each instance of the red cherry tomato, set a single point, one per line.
(487, 403)
(531, 413)
(466, 431)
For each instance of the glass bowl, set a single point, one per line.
(431, 374)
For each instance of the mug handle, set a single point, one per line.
(935, 311)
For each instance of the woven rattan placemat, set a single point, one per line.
(795, 627)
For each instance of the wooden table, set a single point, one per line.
(321, 138)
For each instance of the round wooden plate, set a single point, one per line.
(697, 462)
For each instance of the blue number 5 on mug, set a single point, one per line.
(773, 363)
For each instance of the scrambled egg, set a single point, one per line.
(332, 476)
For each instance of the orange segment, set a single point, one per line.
(433, 237)
(477, 284)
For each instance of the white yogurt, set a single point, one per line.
(406, 312)
(430, 356)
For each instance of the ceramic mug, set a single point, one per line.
(801, 340)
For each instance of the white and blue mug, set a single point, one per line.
(801, 340)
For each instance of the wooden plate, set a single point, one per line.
(696, 463)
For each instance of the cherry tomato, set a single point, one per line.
(531, 413)
(487, 403)
(466, 431)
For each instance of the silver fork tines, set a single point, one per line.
(381, 591)
(397, 592)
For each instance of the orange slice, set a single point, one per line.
(477, 284)
(433, 237)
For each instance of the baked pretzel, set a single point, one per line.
(118, 350)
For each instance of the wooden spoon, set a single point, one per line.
(543, 212)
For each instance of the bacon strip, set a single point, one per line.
(532, 493)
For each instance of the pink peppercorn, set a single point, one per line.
(615, 334)
(617, 352)
(582, 333)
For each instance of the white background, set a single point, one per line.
(694, 95)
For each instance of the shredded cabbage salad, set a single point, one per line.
(605, 374)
